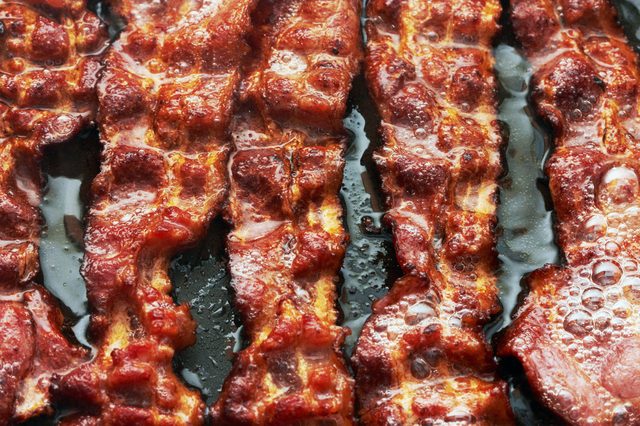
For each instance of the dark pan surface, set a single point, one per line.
(200, 276)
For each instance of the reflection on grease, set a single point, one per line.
(200, 278)
(526, 239)
(67, 170)
(369, 260)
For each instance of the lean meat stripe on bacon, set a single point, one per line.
(49, 65)
(422, 357)
(287, 241)
(165, 101)
(577, 334)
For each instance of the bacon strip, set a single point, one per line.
(577, 334)
(166, 98)
(288, 241)
(49, 65)
(422, 357)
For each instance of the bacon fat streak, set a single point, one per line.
(577, 333)
(422, 357)
(165, 103)
(49, 65)
(288, 241)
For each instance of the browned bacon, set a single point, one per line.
(577, 334)
(288, 241)
(48, 71)
(166, 98)
(422, 357)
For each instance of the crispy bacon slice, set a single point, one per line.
(165, 103)
(577, 334)
(49, 65)
(422, 357)
(288, 241)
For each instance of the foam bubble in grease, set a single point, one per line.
(593, 298)
(578, 322)
(418, 312)
(420, 368)
(631, 288)
(288, 63)
(606, 273)
(618, 188)
(595, 227)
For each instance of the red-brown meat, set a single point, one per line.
(288, 241)
(577, 334)
(166, 100)
(49, 65)
(422, 357)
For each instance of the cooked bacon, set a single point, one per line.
(165, 103)
(288, 241)
(48, 68)
(422, 357)
(577, 334)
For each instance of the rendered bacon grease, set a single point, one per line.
(288, 241)
(422, 357)
(577, 334)
(49, 65)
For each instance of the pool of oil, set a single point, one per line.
(525, 222)
(526, 239)
(68, 169)
(369, 266)
(200, 276)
